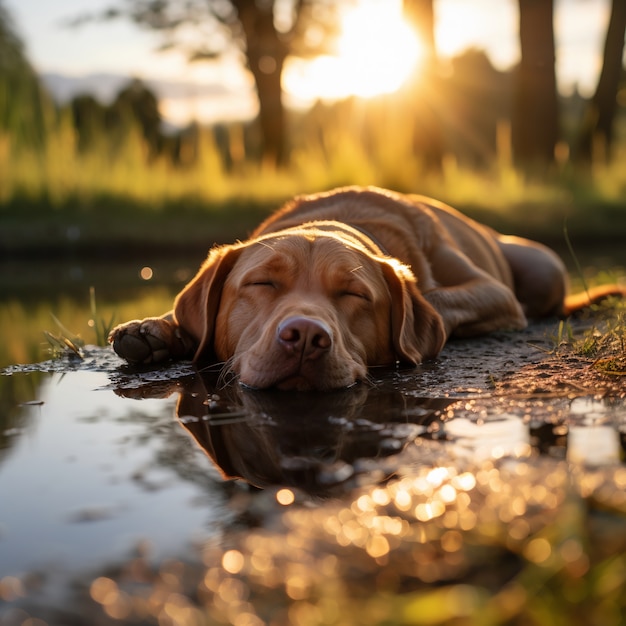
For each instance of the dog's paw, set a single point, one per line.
(151, 340)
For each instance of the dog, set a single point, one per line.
(337, 282)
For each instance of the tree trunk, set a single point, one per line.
(597, 127)
(266, 55)
(535, 106)
(424, 87)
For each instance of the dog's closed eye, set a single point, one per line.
(262, 283)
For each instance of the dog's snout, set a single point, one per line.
(304, 335)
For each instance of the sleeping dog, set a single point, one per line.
(336, 282)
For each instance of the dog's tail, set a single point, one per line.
(594, 295)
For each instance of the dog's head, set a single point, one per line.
(307, 308)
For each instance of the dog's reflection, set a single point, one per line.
(307, 440)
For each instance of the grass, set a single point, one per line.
(602, 344)
(24, 324)
(114, 202)
(65, 341)
(605, 345)
(102, 327)
(60, 199)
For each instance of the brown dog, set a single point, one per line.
(336, 282)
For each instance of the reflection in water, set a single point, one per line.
(443, 508)
(506, 435)
(594, 431)
(312, 441)
(593, 445)
(447, 541)
(87, 476)
(325, 444)
(470, 530)
(590, 432)
(14, 393)
(32, 291)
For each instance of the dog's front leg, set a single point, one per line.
(152, 340)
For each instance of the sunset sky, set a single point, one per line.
(384, 50)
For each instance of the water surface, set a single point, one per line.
(103, 467)
(493, 477)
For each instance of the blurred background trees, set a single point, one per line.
(264, 32)
(599, 121)
(24, 105)
(425, 87)
(465, 109)
(535, 114)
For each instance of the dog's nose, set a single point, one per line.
(310, 337)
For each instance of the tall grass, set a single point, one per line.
(23, 325)
(60, 196)
(328, 150)
(59, 173)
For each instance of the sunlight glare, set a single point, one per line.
(484, 24)
(376, 52)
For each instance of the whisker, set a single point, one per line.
(213, 367)
(222, 419)
(227, 374)
(369, 381)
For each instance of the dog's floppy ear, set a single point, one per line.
(417, 329)
(196, 306)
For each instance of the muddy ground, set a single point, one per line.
(536, 361)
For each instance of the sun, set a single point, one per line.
(376, 52)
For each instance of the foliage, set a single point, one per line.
(104, 173)
(67, 341)
(25, 109)
(605, 344)
(70, 187)
(23, 321)
(101, 326)
(602, 344)
(264, 34)
(64, 341)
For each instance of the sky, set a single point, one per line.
(121, 47)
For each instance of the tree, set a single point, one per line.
(24, 105)
(136, 104)
(88, 116)
(535, 113)
(478, 100)
(597, 125)
(425, 86)
(265, 32)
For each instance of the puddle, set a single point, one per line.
(159, 497)
(87, 477)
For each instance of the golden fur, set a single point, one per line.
(337, 282)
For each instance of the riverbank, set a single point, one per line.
(126, 229)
